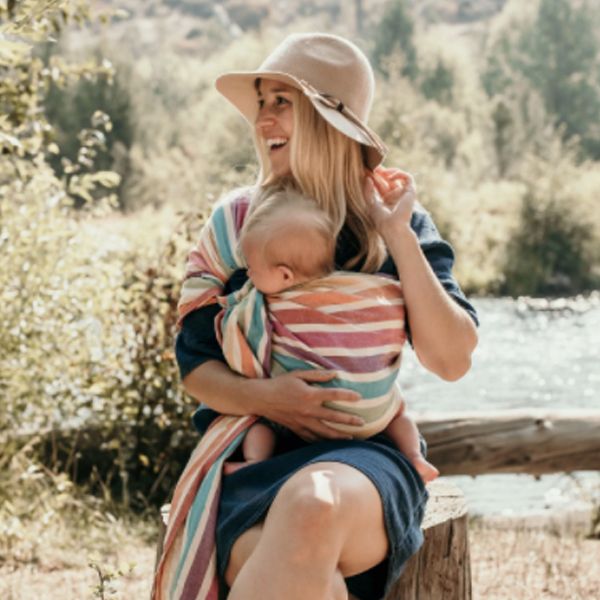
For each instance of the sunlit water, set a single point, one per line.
(526, 358)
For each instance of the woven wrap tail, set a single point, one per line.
(187, 568)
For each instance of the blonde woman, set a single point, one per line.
(332, 519)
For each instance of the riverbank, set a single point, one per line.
(510, 558)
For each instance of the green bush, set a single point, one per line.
(549, 253)
(555, 248)
(87, 321)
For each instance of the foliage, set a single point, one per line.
(394, 35)
(89, 294)
(556, 245)
(69, 105)
(85, 336)
(437, 83)
(555, 50)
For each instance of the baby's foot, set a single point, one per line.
(425, 469)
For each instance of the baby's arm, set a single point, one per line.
(403, 431)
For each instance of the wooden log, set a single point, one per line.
(515, 441)
(441, 569)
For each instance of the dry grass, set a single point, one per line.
(511, 561)
(123, 554)
(533, 563)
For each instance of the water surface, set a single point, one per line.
(530, 355)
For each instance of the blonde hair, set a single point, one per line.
(328, 166)
(292, 230)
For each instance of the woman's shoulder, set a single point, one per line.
(231, 209)
(235, 200)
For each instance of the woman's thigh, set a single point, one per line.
(322, 496)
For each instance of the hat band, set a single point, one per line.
(330, 101)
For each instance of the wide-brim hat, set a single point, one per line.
(330, 71)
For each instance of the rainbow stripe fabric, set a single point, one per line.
(349, 323)
(187, 569)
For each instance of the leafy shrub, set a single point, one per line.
(556, 247)
(548, 254)
(87, 323)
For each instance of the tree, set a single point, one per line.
(394, 34)
(557, 54)
(438, 82)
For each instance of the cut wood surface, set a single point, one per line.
(441, 569)
(513, 441)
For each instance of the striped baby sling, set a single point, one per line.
(315, 325)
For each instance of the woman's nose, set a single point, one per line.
(264, 119)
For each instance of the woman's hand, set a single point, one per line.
(292, 401)
(392, 195)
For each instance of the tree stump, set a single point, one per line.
(441, 569)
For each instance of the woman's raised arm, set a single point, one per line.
(443, 334)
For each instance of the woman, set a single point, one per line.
(331, 517)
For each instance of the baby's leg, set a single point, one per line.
(259, 443)
(404, 433)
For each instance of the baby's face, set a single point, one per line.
(267, 278)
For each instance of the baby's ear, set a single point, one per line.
(287, 274)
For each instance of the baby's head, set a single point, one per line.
(286, 240)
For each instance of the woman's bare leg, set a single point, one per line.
(313, 537)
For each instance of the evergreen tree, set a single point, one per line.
(393, 34)
(557, 55)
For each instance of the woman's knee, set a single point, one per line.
(327, 507)
(310, 505)
(325, 498)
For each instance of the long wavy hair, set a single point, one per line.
(328, 167)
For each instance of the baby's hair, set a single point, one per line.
(293, 230)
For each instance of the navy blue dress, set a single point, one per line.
(248, 493)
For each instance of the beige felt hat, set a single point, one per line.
(331, 72)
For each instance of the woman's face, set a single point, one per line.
(275, 123)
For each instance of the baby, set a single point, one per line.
(288, 241)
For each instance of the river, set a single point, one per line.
(542, 354)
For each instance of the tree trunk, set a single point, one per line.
(441, 569)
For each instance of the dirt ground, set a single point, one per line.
(536, 562)
(516, 561)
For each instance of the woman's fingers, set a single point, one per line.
(314, 375)
(393, 179)
(381, 184)
(325, 394)
(341, 417)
